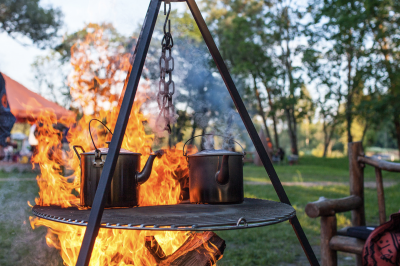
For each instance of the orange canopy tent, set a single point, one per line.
(27, 105)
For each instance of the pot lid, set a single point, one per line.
(104, 151)
(215, 153)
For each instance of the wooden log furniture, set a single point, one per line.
(333, 240)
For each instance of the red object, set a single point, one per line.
(382, 247)
(27, 105)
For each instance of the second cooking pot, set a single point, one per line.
(215, 176)
(124, 191)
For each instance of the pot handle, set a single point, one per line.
(90, 133)
(185, 153)
(77, 154)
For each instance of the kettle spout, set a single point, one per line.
(143, 176)
(222, 175)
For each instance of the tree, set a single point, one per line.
(27, 18)
(343, 28)
(383, 21)
(240, 29)
(286, 27)
(324, 67)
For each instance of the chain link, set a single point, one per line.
(166, 88)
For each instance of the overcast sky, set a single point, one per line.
(125, 15)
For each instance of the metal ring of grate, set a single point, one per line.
(180, 217)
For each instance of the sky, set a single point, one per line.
(16, 58)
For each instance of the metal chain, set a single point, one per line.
(166, 87)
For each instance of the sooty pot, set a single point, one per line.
(216, 176)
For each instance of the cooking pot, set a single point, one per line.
(215, 176)
(125, 182)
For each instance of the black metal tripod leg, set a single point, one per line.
(249, 126)
(120, 127)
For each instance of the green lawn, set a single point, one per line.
(311, 169)
(271, 245)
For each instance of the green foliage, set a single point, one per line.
(28, 18)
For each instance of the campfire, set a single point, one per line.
(113, 246)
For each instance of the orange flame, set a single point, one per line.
(100, 66)
(112, 247)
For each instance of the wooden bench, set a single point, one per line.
(333, 240)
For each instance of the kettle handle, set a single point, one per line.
(185, 153)
(77, 154)
(90, 133)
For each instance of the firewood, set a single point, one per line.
(201, 249)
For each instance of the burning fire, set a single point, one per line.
(112, 247)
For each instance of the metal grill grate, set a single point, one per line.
(181, 217)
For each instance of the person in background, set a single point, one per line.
(7, 119)
(281, 153)
(33, 142)
(269, 143)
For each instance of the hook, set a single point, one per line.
(167, 20)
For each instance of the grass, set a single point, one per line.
(19, 244)
(271, 245)
(313, 169)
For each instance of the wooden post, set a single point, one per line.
(328, 230)
(381, 195)
(356, 181)
(356, 169)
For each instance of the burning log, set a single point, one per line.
(200, 249)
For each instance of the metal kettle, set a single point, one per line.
(126, 179)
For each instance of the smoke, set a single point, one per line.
(19, 243)
(201, 96)
(209, 142)
(227, 130)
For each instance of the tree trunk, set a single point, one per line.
(349, 118)
(326, 142)
(294, 137)
(260, 108)
(272, 107)
(292, 134)
(349, 104)
(328, 138)
(397, 126)
(364, 131)
(276, 132)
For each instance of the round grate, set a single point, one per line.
(180, 217)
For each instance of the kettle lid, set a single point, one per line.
(105, 151)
